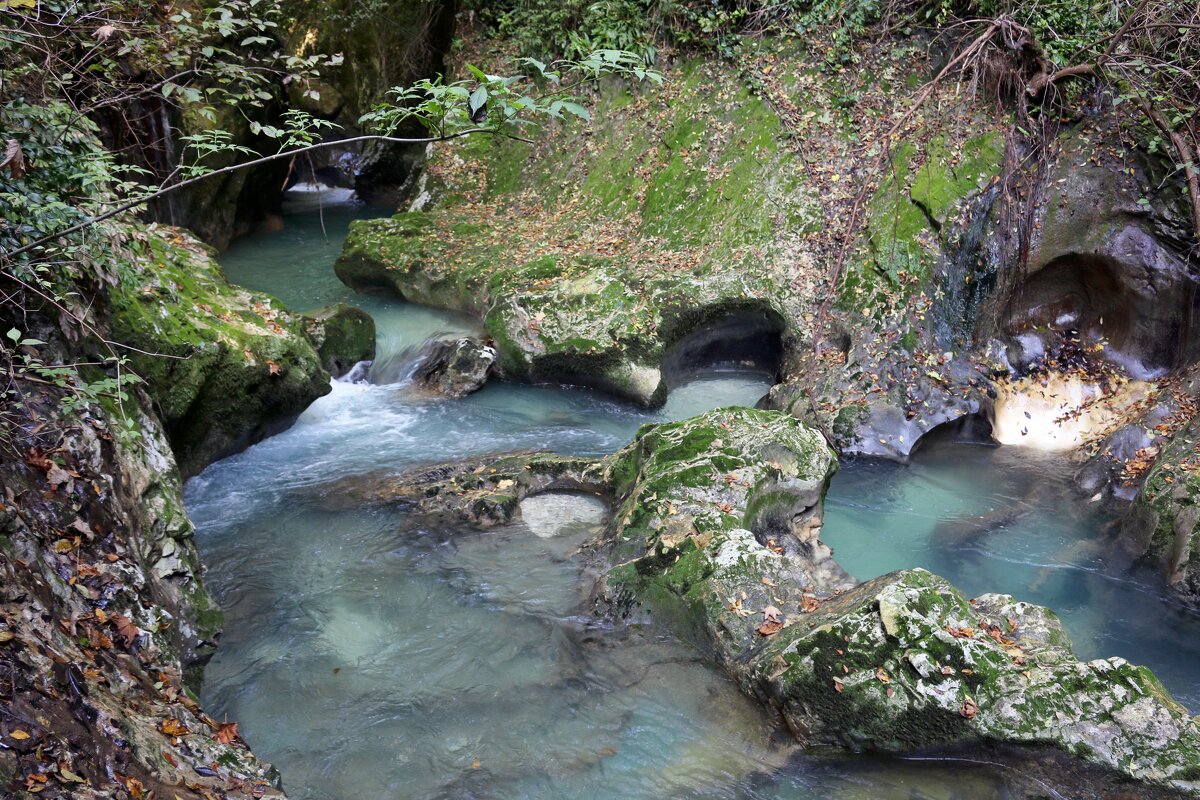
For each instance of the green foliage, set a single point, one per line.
(504, 104)
(576, 28)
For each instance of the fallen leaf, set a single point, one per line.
(227, 733)
(126, 629)
(770, 628)
(14, 159)
(68, 775)
(56, 476)
(838, 685)
(882, 676)
(19, 734)
(173, 727)
(6, 636)
(104, 32)
(969, 709)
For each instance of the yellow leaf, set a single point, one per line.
(19, 735)
(70, 776)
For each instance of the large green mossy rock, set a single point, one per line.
(906, 661)
(224, 366)
(720, 517)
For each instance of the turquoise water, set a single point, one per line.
(1003, 519)
(370, 657)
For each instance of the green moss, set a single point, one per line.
(207, 350)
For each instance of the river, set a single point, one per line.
(368, 656)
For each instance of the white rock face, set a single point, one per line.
(555, 513)
(1061, 415)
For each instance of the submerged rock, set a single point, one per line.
(343, 335)
(225, 367)
(453, 367)
(482, 492)
(553, 513)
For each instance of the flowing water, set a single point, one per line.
(371, 657)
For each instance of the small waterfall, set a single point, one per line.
(399, 367)
(167, 137)
(970, 275)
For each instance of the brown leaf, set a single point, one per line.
(227, 733)
(173, 727)
(274, 368)
(882, 676)
(126, 629)
(969, 709)
(57, 476)
(770, 628)
(838, 686)
(14, 159)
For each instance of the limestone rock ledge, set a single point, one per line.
(562, 318)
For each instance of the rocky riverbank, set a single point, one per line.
(105, 625)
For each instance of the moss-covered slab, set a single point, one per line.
(906, 661)
(224, 366)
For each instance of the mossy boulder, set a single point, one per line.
(906, 661)
(343, 335)
(720, 518)
(1168, 512)
(224, 366)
